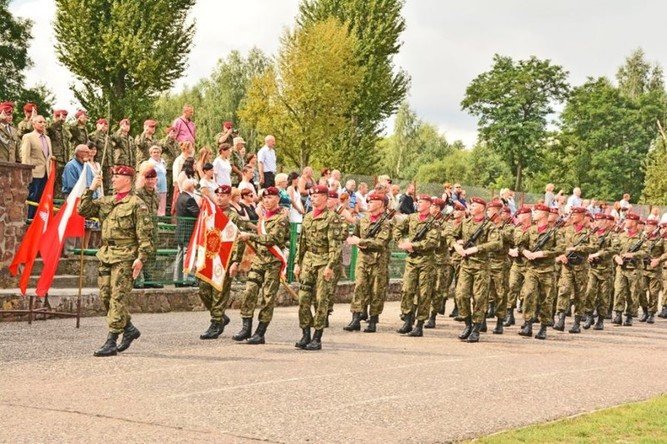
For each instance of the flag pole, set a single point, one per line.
(78, 298)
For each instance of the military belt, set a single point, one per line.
(119, 243)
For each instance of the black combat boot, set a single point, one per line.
(441, 310)
(258, 337)
(372, 324)
(590, 319)
(408, 320)
(305, 339)
(499, 327)
(474, 333)
(109, 348)
(225, 321)
(569, 310)
(618, 319)
(599, 325)
(130, 333)
(644, 314)
(355, 323)
(491, 310)
(467, 330)
(650, 319)
(560, 324)
(316, 343)
(364, 314)
(483, 327)
(431, 320)
(326, 320)
(454, 312)
(576, 326)
(663, 313)
(213, 331)
(542, 334)
(527, 329)
(509, 320)
(418, 331)
(245, 332)
(628, 320)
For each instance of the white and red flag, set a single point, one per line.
(66, 223)
(211, 245)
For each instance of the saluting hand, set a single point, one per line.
(137, 265)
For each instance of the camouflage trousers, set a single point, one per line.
(370, 287)
(267, 280)
(443, 279)
(499, 286)
(338, 273)
(598, 291)
(418, 282)
(215, 301)
(572, 285)
(516, 278)
(472, 292)
(538, 290)
(627, 287)
(115, 282)
(651, 288)
(314, 291)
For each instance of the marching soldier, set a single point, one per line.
(317, 256)
(78, 129)
(123, 145)
(475, 238)
(518, 268)
(126, 244)
(144, 142)
(629, 263)
(419, 237)
(655, 256)
(540, 245)
(499, 264)
(25, 126)
(458, 217)
(442, 262)
(372, 235)
(663, 313)
(266, 268)
(574, 271)
(9, 146)
(344, 217)
(600, 275)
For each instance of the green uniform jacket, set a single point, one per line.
(506, 232)
(277, 233)
(24, 127)
(373, 250)
(320, 240)
(123, 149)
(603, 242)
(143, 144)
(59, 142)
(553, 248)
(127, 227)
(624, 243)
(489, 241)
(99, 138)
(442, 250)
(170, 151)
(580, 241)
(78, 135)
(654, 248)
(9, 145)
(423, 250)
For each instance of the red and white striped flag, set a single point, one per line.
(66, 223)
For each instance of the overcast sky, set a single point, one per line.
(446, 44)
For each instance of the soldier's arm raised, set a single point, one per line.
(89, 207)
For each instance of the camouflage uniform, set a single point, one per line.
(600, 275)
(517, 273)
(627, 283)
(142, 144)
(123, 149)
(78, 134)
(57, 133)
(654, 248)
(574, 276)
(126, 235)
(340, 268)
(499, 269)
(151, 199)
(99, 138)
(9, 146)
(24, 127)
(319, 248)
(419, 266)
(237, 161)
(442, 270)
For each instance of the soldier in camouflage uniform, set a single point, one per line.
(518, 268)
(126, 244)
(372, 263)
(441, 267)
(237, 160)
(574, 271)
(499, 263)
(629, 265)
(317, 255)
(25, 126)
(663, 313)
(344, 218)
(266, 268)
(59, 144)
(100, 138)
(472, 289)
(144, 142)
(78, 129)
(148, 194)
(655, 255)
(539, 275)
(600, 276)
(419, 236)
(9, 145)
(123, 145)
(458, 216)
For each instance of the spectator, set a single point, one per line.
(654, 215)
(305, 183)
(204, 156)
(187, 212)
(296, 209)
(281, 184)
(384, 180)
(74, 168)
(407, 201)
(350, 189)
(549, 196)
(92, 227)
(462, 197)
(247, 202)
(187, 151)
(251, 159)
(246, 181)
(325, 174)
(158, 164)
(335, 177)
(184, 126)
(237, 160)
(207, 184)
(575, 199)
(455, 192)
(447, 193)
(561, 203)
(345, 209)
(593, 207)
(36, 150)
(222, 165)
(187, 174)
(234, 203)
(510, 201)
(362, 192)
(394, 193)
(625, 202)
(266, 156)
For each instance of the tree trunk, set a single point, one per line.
(517, 183)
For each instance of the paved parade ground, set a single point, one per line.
(171, 386)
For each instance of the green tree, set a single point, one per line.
(638, 77)
(303, 99)
(513, 101)
(487, 168)
(455, 167)
(15, 36)
(377, 26)
(655, 188)
(123, 52)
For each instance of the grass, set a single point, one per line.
(642, 422)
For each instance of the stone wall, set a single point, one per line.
(14, 180)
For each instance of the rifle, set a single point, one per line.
(574, 258)
(635, 248)
(475, 236)
(375, 228)
(647, 260)
(544, 239)
(421, 234)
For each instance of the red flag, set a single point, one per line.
(67, 223)
(27, 251)
(211, 245)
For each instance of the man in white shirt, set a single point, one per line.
(362, 191)
(575, 199)
(266, 158)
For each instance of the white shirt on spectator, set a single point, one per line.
(208, 184)
(177, 167)
(245, 185)
(361, 200)
(223, 171)
(267, 157)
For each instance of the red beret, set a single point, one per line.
(611, 217)
(495, 203)
(425, 197)
(81, 112)
(458, 206)
(29, 106)
(122, 170)
(478, 200)
(578, 210)
(7, 106)
(438, 202)
(332, 194)
(554, 211)
(150, 122)
(376, 196)
(150, 173)
(507, 210)
(126, 120)
(541, 207)
(653, 222)
(523, 210)
(271, 191)
(224, 189)
(600, 216)
(632, 216)
(102, 121)
(60, 112)
(319, 189)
